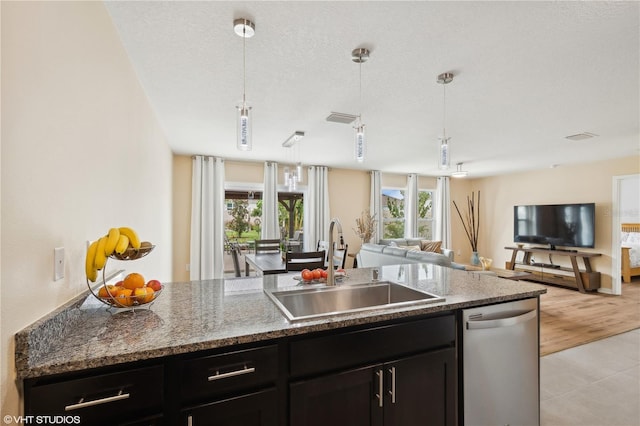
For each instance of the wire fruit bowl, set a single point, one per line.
(120, 297)
(132, 253)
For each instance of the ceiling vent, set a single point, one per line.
(340, 117)
(581, 136)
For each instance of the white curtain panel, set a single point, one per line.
(375, 204)
(442, 223)
(316, 207)
(411, 207)
(270, 227)
(207, 218)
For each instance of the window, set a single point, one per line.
(244, 210)
(425, 214)
(393, 217)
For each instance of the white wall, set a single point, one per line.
(81, 152)
(630, 200)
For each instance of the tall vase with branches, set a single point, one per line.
(365, 226)
(471, 223)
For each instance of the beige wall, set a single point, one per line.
(591, 182)
(81, 152)
(181, 216)
(348, 197)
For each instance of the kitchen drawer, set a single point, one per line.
(101, 399)
(204, 377)
(348, 349)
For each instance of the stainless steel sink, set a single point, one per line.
(319, 302)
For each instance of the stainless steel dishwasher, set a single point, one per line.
(501, 361)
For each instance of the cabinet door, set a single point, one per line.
(349, 399)
(256, 409)
(421, 390)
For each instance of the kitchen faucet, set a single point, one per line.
(331, 278)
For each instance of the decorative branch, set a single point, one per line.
(471, 220)
(365, 226)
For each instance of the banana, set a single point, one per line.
(112, 240)
(123, 243)
(90, 270)
(134, 241)
(100, 259)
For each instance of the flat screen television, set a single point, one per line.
(558, 225)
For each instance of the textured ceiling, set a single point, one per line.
(527, 74)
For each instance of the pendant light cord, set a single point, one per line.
(360, 68)
(244, 67)
(444, 111)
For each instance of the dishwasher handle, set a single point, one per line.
(501, 322)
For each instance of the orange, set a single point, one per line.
(123, 298)
(144, 295)
(133, 281)
(107, 291)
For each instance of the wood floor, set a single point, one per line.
(569, 318)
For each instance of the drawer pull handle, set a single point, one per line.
(218, 375)
(82, 403)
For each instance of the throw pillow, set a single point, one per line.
(428, 245)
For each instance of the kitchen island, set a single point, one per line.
(193, 322)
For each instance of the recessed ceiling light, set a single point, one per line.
(581, 136)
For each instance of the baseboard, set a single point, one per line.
(607, 291)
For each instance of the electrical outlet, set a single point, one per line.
(58, 263)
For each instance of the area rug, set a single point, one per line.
(569, 318)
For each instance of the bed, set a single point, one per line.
(630, 240)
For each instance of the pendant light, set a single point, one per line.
(359, 56)
(293, 175)
(245, 29)
(459, 173)
(444, 159)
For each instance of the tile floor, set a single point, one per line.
(597, 384)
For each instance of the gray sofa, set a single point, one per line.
(413, 242)
(379, 255)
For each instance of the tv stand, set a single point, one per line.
(583, 280)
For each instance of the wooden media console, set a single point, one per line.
(574, 277)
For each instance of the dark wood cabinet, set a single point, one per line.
(255, 409)
(205, 377)
(400, 372)
(127, 396)
(420, 389)
(235, 388)
(344, 398)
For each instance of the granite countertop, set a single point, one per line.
(197, 315)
